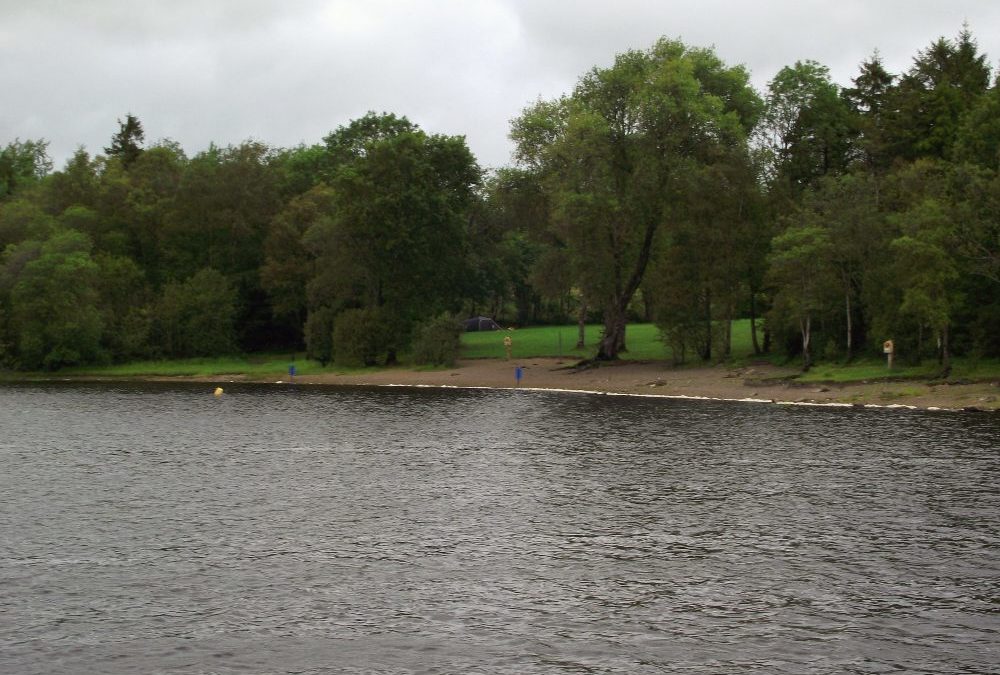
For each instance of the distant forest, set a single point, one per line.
(662, 188)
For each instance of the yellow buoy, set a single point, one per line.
(218, 391)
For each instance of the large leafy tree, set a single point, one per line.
(844, 206)
(75, 185)
(806, 127)
(146, 203)
(514, 254)
(395, 241)
(219, 218)
(704, 268)
(23, 163)
(611, 154)
(54, 299)
(288, 264)
(804, 278)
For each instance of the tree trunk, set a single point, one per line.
(613, 340)
(706, 350)
(581, 325)
(729, 336)
(753, 323)
(850, 326)
(805, 326)
(945, 353)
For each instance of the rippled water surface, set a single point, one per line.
(156, 529)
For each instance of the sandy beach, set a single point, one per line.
(760, 382)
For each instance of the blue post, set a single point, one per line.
(518, 373)
(291, 372)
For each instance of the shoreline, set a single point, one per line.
(762, 383)
(752, 384)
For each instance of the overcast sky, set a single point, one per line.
(289, 71)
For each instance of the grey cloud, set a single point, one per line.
(289, 72)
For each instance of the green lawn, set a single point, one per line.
(642, 340)
(559, 341)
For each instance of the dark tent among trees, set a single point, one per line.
(478, 323)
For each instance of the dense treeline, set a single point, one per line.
(662, 188)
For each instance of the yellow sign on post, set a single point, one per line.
(889, 349)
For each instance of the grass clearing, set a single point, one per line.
(642, 339)
(557, 342)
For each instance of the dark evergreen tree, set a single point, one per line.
(927, 106)
(126, 145)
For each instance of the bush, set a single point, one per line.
(437, 342)
(319, 335)
(360, 337)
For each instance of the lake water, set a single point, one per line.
(156, 529)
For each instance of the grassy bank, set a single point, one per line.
(252, 366)
(534, 342)
(876, 369)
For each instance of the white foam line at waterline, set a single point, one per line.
(685, 397)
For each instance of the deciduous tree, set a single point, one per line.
(612, 152)
(396, 237)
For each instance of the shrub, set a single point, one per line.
(319, 335)
(360, 337)
(437, 342)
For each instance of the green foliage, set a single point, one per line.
(851, 216)
(126, 145)
(288, 264)
(362, 337)
(299, 169)
(54, 299)
(611, 154)
(124, 301)
(24, 220)
(978, 139)
(23, 164)
(393, 238)
(869, 98)
(437, 342)
(927, 107)
(197, 317)
(801, 272)
(319, 334)
(76, 185)
(807, 125)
